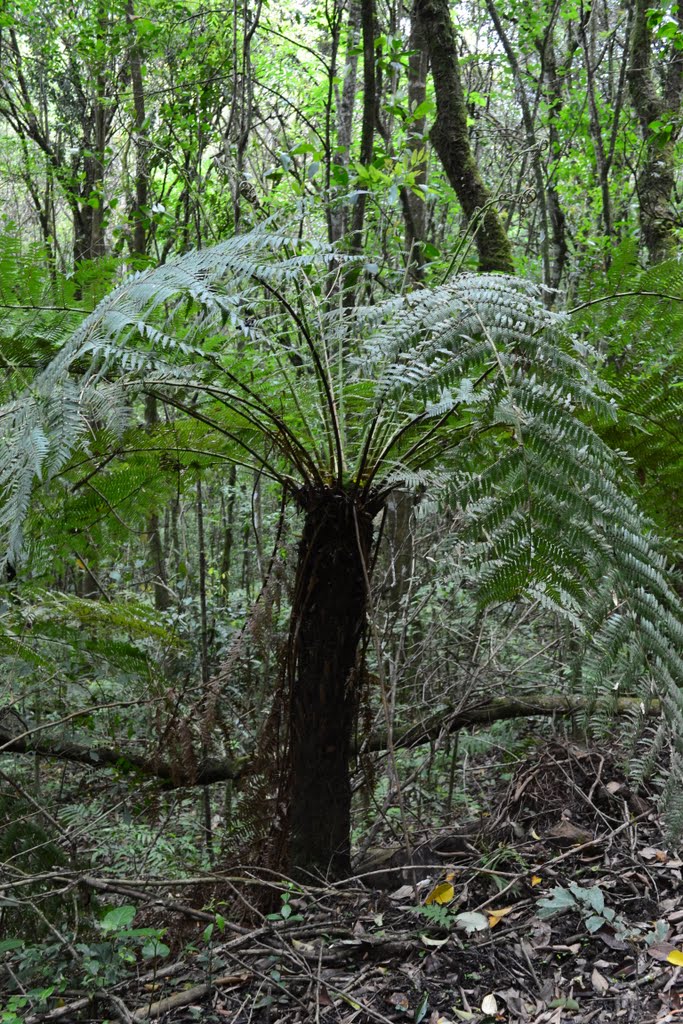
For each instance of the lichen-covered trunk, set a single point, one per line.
(450, 137)
(328, 619)
(656, 93)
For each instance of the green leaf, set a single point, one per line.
(559, 899)
(8, 944)
(424, 108)
(118, 918)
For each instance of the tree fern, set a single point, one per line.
(474, 387)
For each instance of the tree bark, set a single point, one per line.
(552, 89)
(139, 211)
(450, 137)
(337, 212)
(531, 141)
(415, 208)
(328, 620)
(367, 13)
(162, 592)
(659, 107)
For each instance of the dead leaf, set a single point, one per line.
(536, 879)
(471, 921)
(495, 916)
(675, 957)
(566, 834)
(541, 933)
(404, 893)
(489, 1005)
(661, 951)
(437, 943)
(399, 1000)
(599, 982)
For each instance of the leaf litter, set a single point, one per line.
(566, 906)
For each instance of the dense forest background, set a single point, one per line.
(361, 175)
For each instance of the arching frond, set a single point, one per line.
(475, 387)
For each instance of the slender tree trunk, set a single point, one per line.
(601, 155)
(450, 137)
(228, 533)
(162, 593)
(337, 216)
(552, 89)
(367, 12)
(415, 208)
(328, 619)
(139, 212)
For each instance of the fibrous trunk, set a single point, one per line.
(328, 619)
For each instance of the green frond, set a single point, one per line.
(474, 387)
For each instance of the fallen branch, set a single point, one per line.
(176, 777)
(126, 762)
(189, 995)
(500, 709)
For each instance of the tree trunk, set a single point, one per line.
(139, 211)
(552, 91)
(658, 112)
(450, 137)
(414, 207)
(328, 619)
(531, 142)
(162, 592)
(367, 12)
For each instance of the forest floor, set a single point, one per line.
(562, 906)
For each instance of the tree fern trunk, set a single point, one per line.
(328, 618)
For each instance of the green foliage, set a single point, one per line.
(473, 389)
(638, 316)
(589, 902)
(28, 846)
(97, 961)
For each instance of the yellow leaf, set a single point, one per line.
(496, 915)
(536, 879)
(442, 893)
(676, 957)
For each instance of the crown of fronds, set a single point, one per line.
(474, 386)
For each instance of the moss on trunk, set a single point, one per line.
(450, 137)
